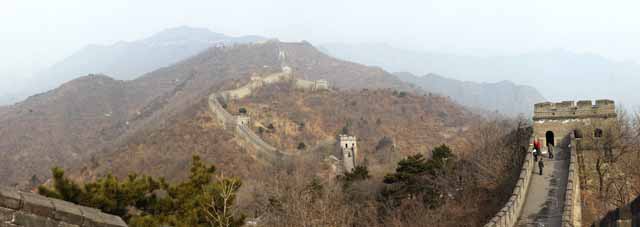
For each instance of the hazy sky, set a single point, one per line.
(36, 33)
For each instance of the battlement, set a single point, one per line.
(24, 209)
(347, 139)
(314, 85)
(242, 120)
(602, 108)
(349, 151)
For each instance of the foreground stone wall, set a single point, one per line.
(626, 216)
(508, 215)
(572, 211)
(24, 209)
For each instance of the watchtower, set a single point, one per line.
(552, 122)
(349, 150)
(321, 85)
(242, 120)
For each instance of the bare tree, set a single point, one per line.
(220, 198)
(611, 148)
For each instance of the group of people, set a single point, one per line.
(537, 153)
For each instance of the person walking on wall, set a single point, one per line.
(536, 148)
(540, 165)
(550, 148)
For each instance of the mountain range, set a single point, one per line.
(128, 60)
(557, 74)
(504, 97)
(93, 119)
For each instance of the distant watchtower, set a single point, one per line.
(349, 150)
(552, 122)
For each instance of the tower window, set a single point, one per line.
(597, 133)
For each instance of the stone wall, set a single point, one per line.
(572, 211)
(508, 215)
(626, 216)
(225, 118)
(565, 118)
(229, 121)
(348, 146)
(257, 82)
(573, 110)
(234, 123)
(314, 85)
(24, 209)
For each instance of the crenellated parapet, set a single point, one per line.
(603, 108)
(348, 146)
(25, 209)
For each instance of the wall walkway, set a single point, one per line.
(508, 215)
(550, 199)
(265, 150)
(24, 209)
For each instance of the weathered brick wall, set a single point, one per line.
(508, 215)
(573, 110)
(626, 216)
(25, 209)
(572, 211)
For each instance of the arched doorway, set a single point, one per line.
(550, 138)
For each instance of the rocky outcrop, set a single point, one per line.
(24, 209)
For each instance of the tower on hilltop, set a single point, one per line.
(349, 149)
(553, 122)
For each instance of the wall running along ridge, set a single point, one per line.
(24, 209)
(563, 119)
(229, 121)
(508, 215)
(572, 212)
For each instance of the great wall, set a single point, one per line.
(548, 199)
(240, 124)
(31, 210)
(553, 198)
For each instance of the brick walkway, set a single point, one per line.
(545, 198)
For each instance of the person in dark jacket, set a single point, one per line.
(540, 165)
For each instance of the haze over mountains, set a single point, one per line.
(127, 60)
(504, 97)
(93, 116)
(558, 74)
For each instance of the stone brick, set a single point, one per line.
(37, 204)
(7, 225)
(6, 214)
(96, 218)
(92, 217)
(10, 198)
(112, 221)
(29, 220)
(67, 212)
(63, 224)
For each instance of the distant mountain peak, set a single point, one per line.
(128, 60)
(185, 34)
